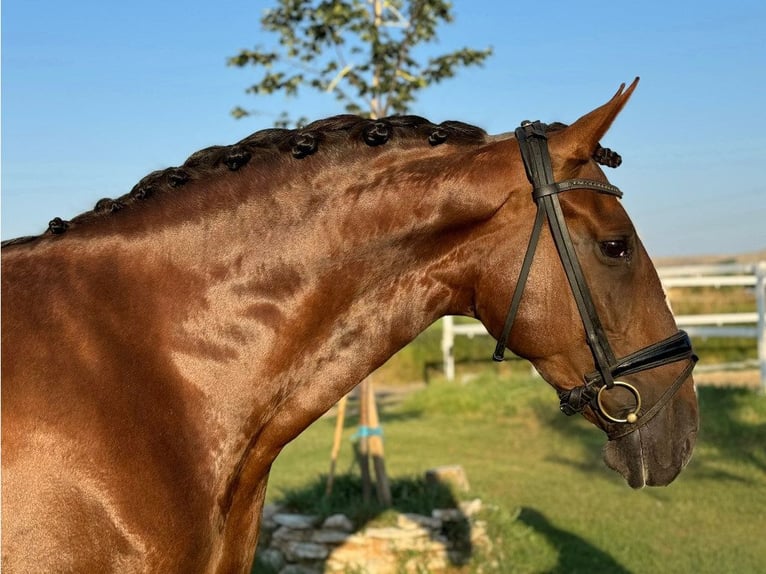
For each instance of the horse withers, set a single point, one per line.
(159, 351)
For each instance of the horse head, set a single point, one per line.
(589, 306)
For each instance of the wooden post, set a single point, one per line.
(448, 347)
(376, 450)
(362, 447)
(336, 442)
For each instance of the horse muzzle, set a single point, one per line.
(592, 394)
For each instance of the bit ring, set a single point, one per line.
(630, 417)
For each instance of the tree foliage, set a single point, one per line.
(361, 51)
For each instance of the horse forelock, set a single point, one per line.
(338, 134)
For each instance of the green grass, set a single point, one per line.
(717, 350)
(701, 300)
(551, 504)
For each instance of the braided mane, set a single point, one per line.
(333, 133)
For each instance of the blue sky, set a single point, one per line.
(97, 94)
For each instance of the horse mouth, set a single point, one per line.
(645, 461)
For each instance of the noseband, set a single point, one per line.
(533, 143)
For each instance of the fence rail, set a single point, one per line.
(744, 325)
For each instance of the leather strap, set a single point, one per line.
(499, 354)
(570, 184)
(675, 348)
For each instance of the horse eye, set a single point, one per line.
(615, 249)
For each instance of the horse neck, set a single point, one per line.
(316, 280)
(242, 324)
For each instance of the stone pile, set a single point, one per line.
(302, 544)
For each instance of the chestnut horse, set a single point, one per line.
(159, 351)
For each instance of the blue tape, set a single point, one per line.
(365, 432)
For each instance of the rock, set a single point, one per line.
(338, 522)
(299, 569)
(297, 521)
(285, 534)
(451, 474)
(411, 521)
(269, 510)
(271, 558)
(297, 551)
(479, 536)
(448, 514)
(267, 520)
(416, 544)
(325, 536)
(470, 508)
(393, 533)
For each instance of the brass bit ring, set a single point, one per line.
(631, 417)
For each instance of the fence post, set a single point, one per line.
(448, 346)
(760, 302)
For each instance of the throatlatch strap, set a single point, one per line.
(499, 354)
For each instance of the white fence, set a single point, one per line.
(744, 325)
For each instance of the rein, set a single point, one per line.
(533, 143)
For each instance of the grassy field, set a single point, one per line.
(551, 504)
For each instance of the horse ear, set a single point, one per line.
(580, 139)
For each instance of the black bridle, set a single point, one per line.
(533, 142)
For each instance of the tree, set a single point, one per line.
(362, 51)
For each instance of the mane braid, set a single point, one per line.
(330, 133)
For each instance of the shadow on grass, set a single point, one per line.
(575, 554)
(414, 497)
(733, 424)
